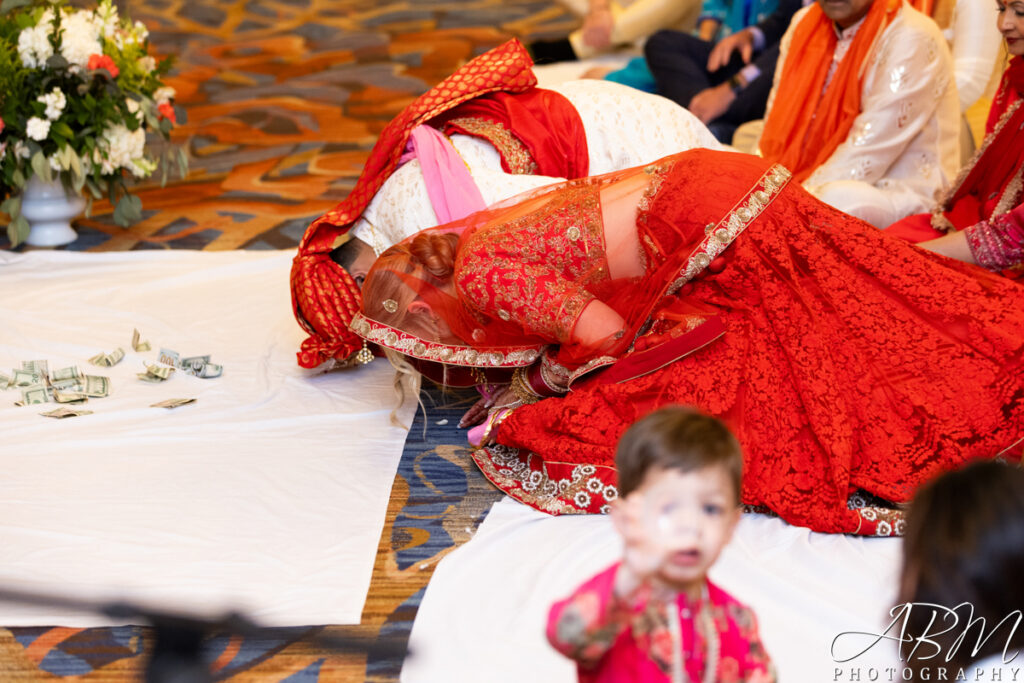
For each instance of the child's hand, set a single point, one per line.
(643, 554)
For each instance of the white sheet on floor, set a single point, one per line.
(267, 495)
(485, 610)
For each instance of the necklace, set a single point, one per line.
(706, 623)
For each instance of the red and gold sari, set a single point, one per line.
(842, 359)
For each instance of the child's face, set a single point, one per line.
(692, 516)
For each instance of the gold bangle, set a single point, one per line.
(521, 387)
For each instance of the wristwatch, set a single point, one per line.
(736, 83)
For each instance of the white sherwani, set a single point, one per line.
(904, 145)
(624, 128)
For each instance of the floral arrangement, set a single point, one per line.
(78, 92)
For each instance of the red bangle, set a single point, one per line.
(535, 379)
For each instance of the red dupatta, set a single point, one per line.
(520, 127)
(991, 183)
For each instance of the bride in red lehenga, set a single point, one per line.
(842, 358)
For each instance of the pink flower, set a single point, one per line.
(167, 112)
(103, 62)
(1, 125)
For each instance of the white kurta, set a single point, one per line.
(904, 145)
(624, 128)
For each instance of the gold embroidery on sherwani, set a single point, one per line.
(511, 149)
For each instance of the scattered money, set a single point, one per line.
(95, 387)
(197, 366)
(36, 367)
(168, 357)
(34, 395)
(5, 381)
(108, 359)
(208, 371)
(67, 384)
(173, 403)
(26, 378)
(69, 396)
(65, 374)
(155, 373)
(137, 345)
(61, 413)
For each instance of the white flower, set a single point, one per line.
(120, 148)
(3, 149)
(55, 103)
(141, 32)
(134, 108)
(80, 39)
(54, 163)
(37, 128)
(164, 95)
(147, 64)
(106, 19)
(34, 46)
(21, 150)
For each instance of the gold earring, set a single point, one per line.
(365, 355)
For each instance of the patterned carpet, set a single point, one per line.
(282, 101)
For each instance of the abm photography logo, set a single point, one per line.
(951, 645)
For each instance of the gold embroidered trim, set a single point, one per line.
(510, 471)
(1011, 192)
(735, 222)
(410, 345)
(511, 149)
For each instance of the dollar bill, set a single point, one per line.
(173, 403)
(107, 360)
(95, 386)
(169, 357)
(64, 374)
(62, 412)
(36, 367)
(5, 381)
(211, 370)
(26, 378)
(69, 396)
(155, 373)
(138, 345)
(67, 384)
(33, 395)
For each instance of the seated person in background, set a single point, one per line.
(864, 109)
(719, 82)
(608, 24)
(503, 136)
(963, 550)
(679, 485)
(984, 200)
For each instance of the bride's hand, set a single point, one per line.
(495, 395)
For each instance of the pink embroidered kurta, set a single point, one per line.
(613, 640)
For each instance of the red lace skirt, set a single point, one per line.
(852, 361)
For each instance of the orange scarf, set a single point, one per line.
(805, 126)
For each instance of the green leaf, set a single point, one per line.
(18, 179)
(57, 62)
(182, 162)
(41, 167)
(12, 206)
(8, 5)
(17, 231)
(63, 129)
(128, 210)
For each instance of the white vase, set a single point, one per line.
(49, 208)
